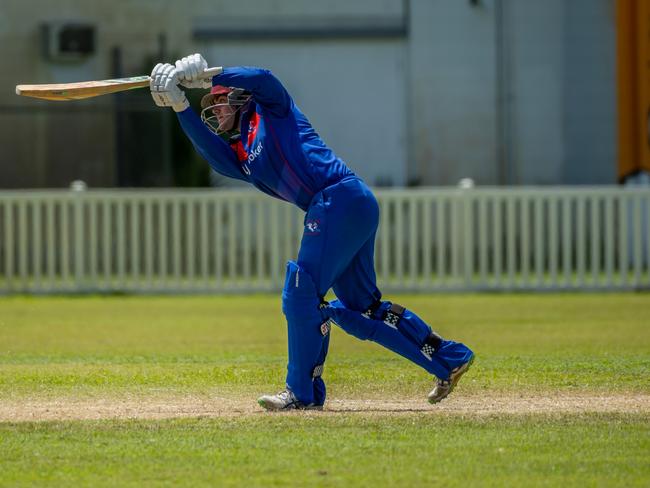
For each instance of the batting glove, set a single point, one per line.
(164, 88)
(189, 70)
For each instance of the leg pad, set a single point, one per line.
(308, 333)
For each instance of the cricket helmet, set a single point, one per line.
(229, 111)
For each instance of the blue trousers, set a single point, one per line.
(337, 252)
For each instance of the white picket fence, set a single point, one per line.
(432, 239)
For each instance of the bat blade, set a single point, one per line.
(81, 90)
(63, 92)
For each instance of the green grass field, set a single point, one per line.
(154, 391)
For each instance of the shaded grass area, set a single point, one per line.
(345, 450)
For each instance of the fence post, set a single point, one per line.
(466, 240)
(78, 189)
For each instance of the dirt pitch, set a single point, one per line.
(220, 407)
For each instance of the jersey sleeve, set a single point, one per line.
(210, 146)
(267, 90)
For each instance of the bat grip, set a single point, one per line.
(210, 72)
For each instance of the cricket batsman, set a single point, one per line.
(250, 129)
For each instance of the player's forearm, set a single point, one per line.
(267, 90)
(213, 149)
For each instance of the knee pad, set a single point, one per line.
(299, 297)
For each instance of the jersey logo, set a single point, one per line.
(246, 158)
(312, 227)
(254, 153)
(325, 328)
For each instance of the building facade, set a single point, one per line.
(410, 92)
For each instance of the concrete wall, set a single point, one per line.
(453, 92)
(536, 51)
(589, 97)
(45, 144)
(513, 91)
(564, 91)
(420, 91)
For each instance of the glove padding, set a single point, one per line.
(164, 88)
(189, 70)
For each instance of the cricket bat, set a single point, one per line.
(87, 89)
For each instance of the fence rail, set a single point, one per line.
(149, 241)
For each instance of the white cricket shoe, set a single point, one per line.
(285, 400)
(444, 387)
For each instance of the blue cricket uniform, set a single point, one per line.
(280, 154)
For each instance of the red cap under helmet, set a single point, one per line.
(215, 91)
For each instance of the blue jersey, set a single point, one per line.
(279, 152)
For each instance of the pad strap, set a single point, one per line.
(431, 345)
(393, 314)
(318, 371)
(325, 326)
(391, 318)
(370, 312)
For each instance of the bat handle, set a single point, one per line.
(210, 72)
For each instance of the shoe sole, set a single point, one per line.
(271, 408)
(266, 406)
(463, 369)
